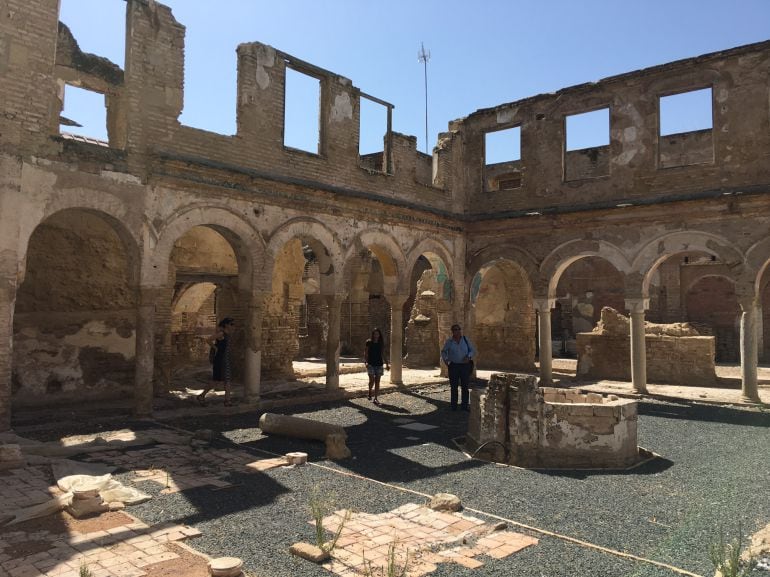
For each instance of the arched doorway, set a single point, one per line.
(75, 316)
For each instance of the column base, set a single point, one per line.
(746, 400)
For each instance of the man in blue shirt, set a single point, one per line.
(458, 354)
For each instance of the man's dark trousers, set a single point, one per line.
(459, 374)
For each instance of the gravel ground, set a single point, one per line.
(714, 472)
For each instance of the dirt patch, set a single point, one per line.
(64, 523)
(188, 564)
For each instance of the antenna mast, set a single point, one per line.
(423, 56)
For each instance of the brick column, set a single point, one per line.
(334, 305)
(145, 349)
(396, 336)
(7, 299)
(749, 391)
(252, 377)
(637, 307)
(543, 308)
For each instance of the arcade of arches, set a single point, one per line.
(118, 258)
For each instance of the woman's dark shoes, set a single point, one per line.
(376, 402)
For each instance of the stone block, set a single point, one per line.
(309, 552)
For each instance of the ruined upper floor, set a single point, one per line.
(637, 163)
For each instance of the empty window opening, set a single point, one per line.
(84, 113)
(686, 112)
(686, 135)
(502, 157)
(587, 145)
(374, 127)
(302, 116)
(588, 129)
(108, 38)
(502, 145)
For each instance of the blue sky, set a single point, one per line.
(483, 53)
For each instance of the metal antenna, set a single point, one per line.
(423, 56)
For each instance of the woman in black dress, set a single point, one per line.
(222, 366)
(374, 356)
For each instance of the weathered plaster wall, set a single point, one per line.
(504, 320)
(74, 324)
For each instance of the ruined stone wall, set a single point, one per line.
(280, 324)
(633, 166)
(74, 328)
(28, 37)
(548, 427)
(423, 341)
(504, 326)
(670, 360)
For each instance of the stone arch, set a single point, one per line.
(491, 254)
(427, 310)
(75, 309)
(323, 241)
(246, 242)
(554, 265)
(108, 208)
(756, 264)
(387, 251)
(501, 315)
(434, 251)
(659, 249)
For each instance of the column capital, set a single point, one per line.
(543, 304)
(637, 305)
(747, 302)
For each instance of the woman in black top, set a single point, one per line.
(375, 356)
(221, 368)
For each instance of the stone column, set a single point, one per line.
(749, 390)
(638, 345)
(396, 336)
(7, 300)
(334, 305)
(252, 356)
(145, 349)
(543, 307)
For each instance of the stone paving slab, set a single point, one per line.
(418, 536)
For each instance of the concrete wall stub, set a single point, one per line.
(551, 428)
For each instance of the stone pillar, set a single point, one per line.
(543, 307)
(334, 305)
(396, 336)
(7, 299)
(638, 345)
(252, 370)
(749, 391)
(145, 349)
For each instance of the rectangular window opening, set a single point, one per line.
(502, 159)
(686, 129)
(588, 129)
(587, 145)
(84, 114)
(502, 145)
(373, 129)
(686, 112)
(302, 112)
